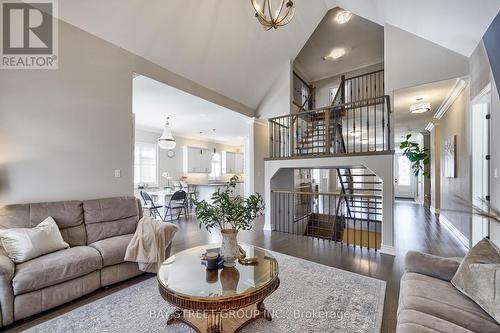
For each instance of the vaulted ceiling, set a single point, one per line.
(220, 45)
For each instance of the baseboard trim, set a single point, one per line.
(458, 235)
(434, 210)
(387, 249)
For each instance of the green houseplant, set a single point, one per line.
(229, 213)
(417, 156)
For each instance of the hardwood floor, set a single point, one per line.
(415, 229)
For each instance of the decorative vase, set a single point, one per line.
(229, 250)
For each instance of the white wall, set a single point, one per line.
(456, 122)
(257, 150)
(174, 165)
(278, 100)
(411, 61)
(64, 132)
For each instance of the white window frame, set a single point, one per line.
(216, 172)
(157, 164)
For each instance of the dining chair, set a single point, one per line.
(151, 206)
(178, 202)
(192, 195)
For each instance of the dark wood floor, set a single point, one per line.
(415, 229)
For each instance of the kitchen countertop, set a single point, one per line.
(213, 184)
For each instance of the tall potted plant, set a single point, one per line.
(417, 156)
(229, 213)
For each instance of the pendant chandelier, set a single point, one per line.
(166, 141)
(273, 13)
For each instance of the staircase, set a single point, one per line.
(356, 122)
(357, 217)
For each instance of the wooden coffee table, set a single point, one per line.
(223, 300)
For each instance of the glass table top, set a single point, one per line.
(183, 274)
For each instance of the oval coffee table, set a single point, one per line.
(223, 300)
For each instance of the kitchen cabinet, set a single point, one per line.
(197, 160)
(232, 162)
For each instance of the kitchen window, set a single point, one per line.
(146, 164)
(216, 166)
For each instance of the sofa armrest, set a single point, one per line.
(7, 270)
(431, 265)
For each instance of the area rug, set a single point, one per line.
(311, 298)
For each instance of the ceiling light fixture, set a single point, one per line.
(166, 140)
(343, 17)
(335, 54)
(420, 107)
(273, 13)
(215, 149)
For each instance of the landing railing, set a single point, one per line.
(324, 216)
(361, 126)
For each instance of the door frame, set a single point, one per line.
(486, 228)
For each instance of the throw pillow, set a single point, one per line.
(478, 277)
(23, 244)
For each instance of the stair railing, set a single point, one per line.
(322, 215)
(363, 126)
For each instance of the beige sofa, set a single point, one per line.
(429, 303)
(98, 232)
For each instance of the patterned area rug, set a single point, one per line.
(311, 298)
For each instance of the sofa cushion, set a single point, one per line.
(67, 214)
(478, 277)
(112, 249)
(411, 321)
(110, 217)
(54, 268)
(438, 298)
(23, 244)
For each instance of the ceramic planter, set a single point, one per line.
(229, 250)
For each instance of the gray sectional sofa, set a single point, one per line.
(98, 232)
(429, 303)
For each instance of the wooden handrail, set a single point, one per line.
(348, 106)
(361, 75)
(337, 194)
(302, 80)
(302, 108)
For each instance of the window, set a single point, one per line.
(145, 164)
(216, 166)
(332, 92)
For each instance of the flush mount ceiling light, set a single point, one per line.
(335, 54)
(273, 13)
(343, 17)
(420, 107)
(166, 141)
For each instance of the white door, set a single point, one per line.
(404, 180)
(480, 162)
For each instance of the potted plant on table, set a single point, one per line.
(230, 213)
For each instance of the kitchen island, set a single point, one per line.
(205, 190)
